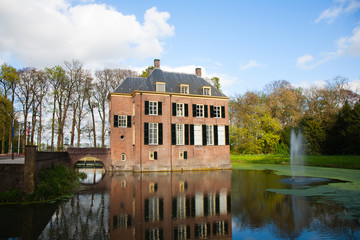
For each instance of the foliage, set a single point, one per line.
(328, 116)
(52, 183)
(215, 81)
(282, 149)
(253, 130)
(344, 136)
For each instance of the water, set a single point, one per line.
(296, 154)
(190, 205)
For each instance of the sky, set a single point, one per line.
(247, 44)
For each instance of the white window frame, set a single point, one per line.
(209, 135)
(221, 135)
(180, 110)
(181, 207)
(153, 133)
(180, 134)
(217, 111)
(181, 154)
(154, 209)
(206, 91)
(151, 155)
(197, 135)
(153, 108)
(123, 157)
(200, 110)
(160, 87)
(184, 89)
(181, 233)
(122, 121)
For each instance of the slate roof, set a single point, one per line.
(172, 81)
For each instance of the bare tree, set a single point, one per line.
(56, 77)
(106, 81)
(66, 96)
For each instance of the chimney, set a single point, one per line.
(150, 69)
(156, 63)
(198, 72)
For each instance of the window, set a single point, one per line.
(184, 89)
(160, 87)
(221, 135)
(153, 133)
(201, 230)
(179, 109)
(182, 232)
(153, 187)
(121, 221)
(179, 134)
(123, 183)
(206, 91)
(152, 155)
(223, 202)
(209, 135)
(153, 234)
(123, 157)
(180, 207)
(199, 110)
(211, 204)
(197, 135)
(220, 228)
(181, 155)
(153, 209)
(122, 121)
(153, 108)
(217, 111)
(199, 205)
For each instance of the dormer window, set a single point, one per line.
(184, 88)
(206, 91)
(160, 86)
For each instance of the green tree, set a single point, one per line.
(253, 130)
(9, 80)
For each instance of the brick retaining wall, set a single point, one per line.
(12, 176)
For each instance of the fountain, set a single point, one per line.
(296, 154)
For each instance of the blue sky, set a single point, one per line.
(248, 44)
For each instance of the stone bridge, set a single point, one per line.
(90, 154)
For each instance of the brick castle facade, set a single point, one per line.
(167, 122)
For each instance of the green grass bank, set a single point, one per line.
(340, 161)
(53, 183)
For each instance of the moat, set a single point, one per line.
(229, 204)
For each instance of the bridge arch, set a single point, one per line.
(90, 154)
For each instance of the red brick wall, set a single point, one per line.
(199, 157)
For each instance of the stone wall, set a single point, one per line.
(46, 159)
(12, 176)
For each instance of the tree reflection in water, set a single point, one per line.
(196, 205)
(284, 216)
(85, 216)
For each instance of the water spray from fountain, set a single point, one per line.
(296, 153)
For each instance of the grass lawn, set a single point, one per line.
(350, 162)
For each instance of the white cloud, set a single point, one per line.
(346, 46)
(350, 45)
(304, 60)
(354, 85)
(44, 33)
(251, 64)
(330, 14)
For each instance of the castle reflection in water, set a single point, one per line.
(188, 205)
